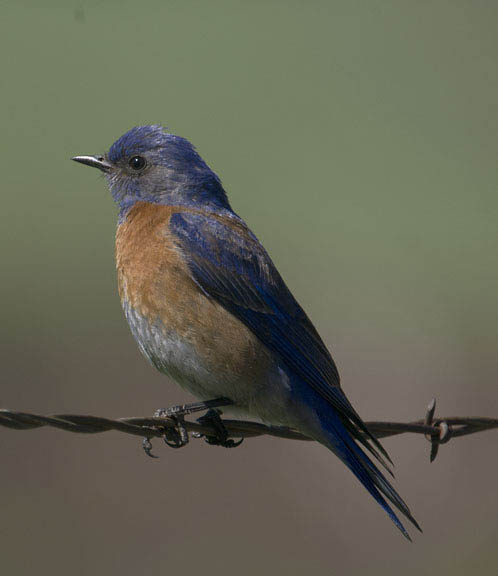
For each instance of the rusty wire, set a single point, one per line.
(437, 430)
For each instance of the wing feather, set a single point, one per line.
(231, 266)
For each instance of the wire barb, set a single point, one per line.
(434, 439)
(437, 430)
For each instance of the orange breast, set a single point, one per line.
(156, 284)
(152, 274)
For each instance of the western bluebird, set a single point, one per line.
(208, 308)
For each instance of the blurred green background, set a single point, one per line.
(359, 140)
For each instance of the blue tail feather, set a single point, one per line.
(338, 439)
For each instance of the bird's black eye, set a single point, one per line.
(137, 163)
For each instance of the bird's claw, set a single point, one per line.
(177, 436)
(147, 446)
(174, 436)
(228, 443)
(220, 436)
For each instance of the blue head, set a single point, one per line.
(148, 164)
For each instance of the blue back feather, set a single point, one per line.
(231, 266)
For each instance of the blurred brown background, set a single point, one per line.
(359, 140)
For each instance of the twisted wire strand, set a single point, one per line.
(437, 430)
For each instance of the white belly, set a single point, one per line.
(264, 395)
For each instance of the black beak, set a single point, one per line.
(95, 161)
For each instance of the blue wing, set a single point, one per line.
(231, 266)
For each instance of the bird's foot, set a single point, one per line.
(186, 409)
(220, 436)
(174, 436)
(177, 436)
(147, 447)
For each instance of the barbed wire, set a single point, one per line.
(175, 429)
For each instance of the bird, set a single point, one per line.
(208, 308)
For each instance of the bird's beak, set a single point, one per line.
(96, 161)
